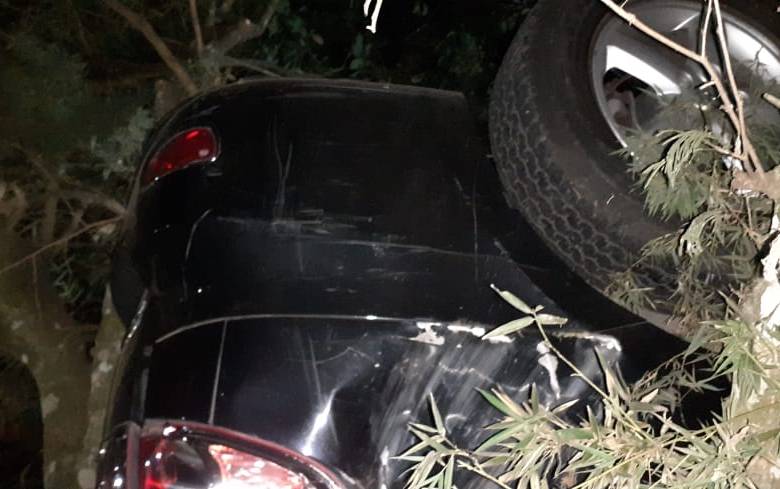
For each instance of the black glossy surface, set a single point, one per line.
(332, 268)
(343, 390)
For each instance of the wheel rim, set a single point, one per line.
(629, 70)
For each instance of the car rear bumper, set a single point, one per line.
(343, 390)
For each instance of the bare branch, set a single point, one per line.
(735, 94)
(88, 198)
(774, 101)
(245, 30)
(139, 23)
(705, 28)
(767, 183)
(752, 161)
(196, 27)
(57, 242)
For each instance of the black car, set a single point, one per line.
(308, 261)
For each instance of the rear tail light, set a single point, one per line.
(196, 456)
(196, 145)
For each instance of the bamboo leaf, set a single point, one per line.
(494, 401)
(513, 300)
(423, 427)
(437, 416)
(510, 327)
(565, 406)
(449, 472)
(499, 437)
(549, 319)
(569, 434)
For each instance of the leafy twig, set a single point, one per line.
(751, 159)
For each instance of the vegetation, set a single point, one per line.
(723, 186)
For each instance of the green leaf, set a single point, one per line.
(510, 327)
(423, 427)
(422, 471)
(513, 300)
(549, 319)
(497, 403)
(596, 454)
(569, 434)
(691, 239)
(534, 400)
(437, 420)
(449, 472)
(409, 458)
(565, 406)
(499, 437)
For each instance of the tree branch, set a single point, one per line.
(773, 101)
(58, 242)
(705, 27)
(139, 23)
(196, 27)
(767, 183)
(752, 161)
(88, 198)
(736, 95)
(245, 30)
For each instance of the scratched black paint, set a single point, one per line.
(331, 268)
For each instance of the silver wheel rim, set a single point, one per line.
(620, 54)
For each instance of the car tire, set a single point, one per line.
(555, 151)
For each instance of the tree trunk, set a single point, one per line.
(34, 323)
(759, 408)
(105, 353)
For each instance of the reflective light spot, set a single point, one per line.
(240, 470)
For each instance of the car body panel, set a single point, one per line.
(331, 269)
(343, 390)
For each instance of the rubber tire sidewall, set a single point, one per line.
(555, 151)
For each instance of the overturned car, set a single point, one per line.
(307, 261)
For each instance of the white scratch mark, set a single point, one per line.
(606, 341)
(477, 331)
(428, 335)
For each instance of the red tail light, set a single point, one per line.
(196, 145)
(195, 456)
